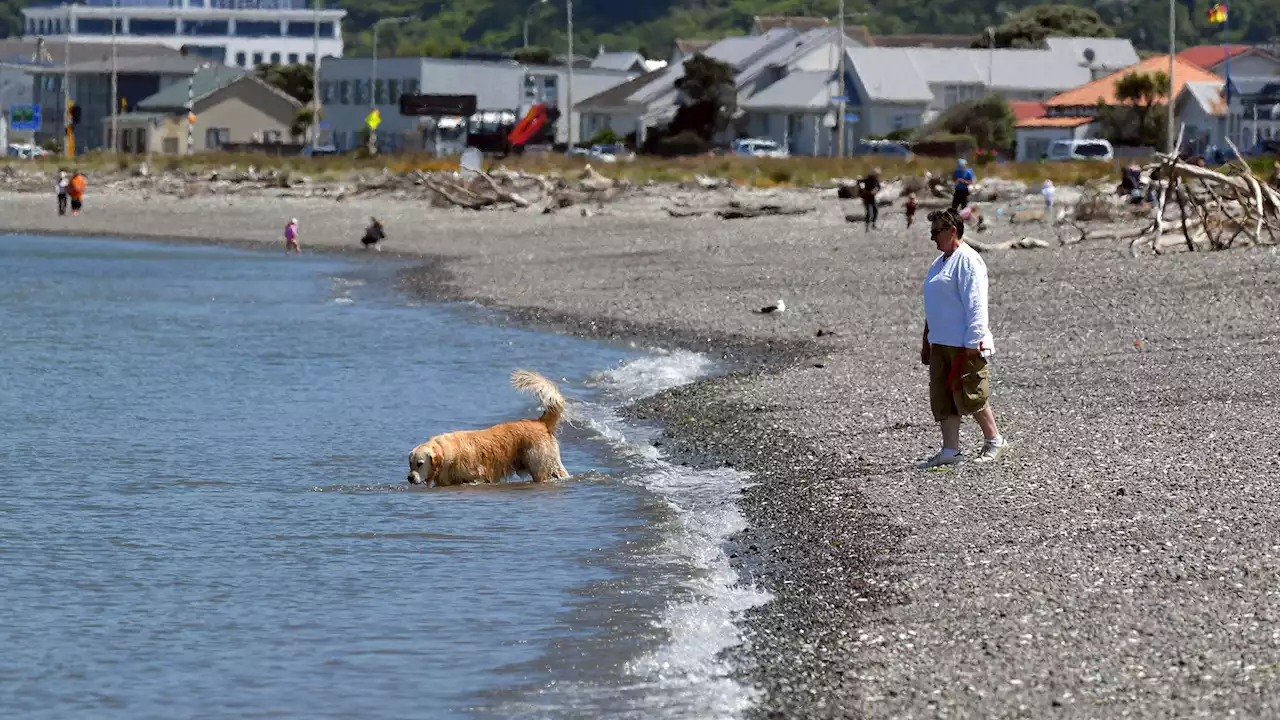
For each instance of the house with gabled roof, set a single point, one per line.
(1245, 60)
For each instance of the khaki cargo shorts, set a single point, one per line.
(957, 382)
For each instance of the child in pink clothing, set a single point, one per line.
(291, 237)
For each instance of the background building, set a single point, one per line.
(245, 33)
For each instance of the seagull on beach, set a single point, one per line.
(768, 309)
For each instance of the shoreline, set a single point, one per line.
(898, 592)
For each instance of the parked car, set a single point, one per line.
(759, 147)
(26, 151)
(1091, 149)
(610, 153)
(319, 150)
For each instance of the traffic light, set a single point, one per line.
(75, 114)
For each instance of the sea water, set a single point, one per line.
(203, 510)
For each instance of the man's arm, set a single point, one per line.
(924, 345)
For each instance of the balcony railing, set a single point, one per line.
(195, 4)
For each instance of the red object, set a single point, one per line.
(530, 125)
(1207, 56)
(1027, 110)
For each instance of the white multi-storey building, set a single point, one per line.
(244, 33)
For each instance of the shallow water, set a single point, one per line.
(203, 510)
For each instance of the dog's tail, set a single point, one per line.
(547, 393)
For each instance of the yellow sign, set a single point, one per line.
(373, 120)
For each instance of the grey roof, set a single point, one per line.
(1250, 85)
(811, 90)
(204, 83)
(888, 75)
(620, 95)
(742, 51)
(23, 51)
(618, 60)
(907, 74)
(1208, 95)
(174, 65)
(1109, 53)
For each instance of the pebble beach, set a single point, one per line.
(1122, 560)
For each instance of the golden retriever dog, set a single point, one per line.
(489, 455)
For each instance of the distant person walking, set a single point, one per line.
(1050, 193)
(957, 342)
(911, 209)
(62, 192)
(868, 187)
(964, 180)
(291, 238)
(75, 188)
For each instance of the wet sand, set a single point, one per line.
(1122, 560)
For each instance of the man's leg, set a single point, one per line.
(873, 212)
(951, 433)
(986, 419)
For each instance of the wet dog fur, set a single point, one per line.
(489, 455)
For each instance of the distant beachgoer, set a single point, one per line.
(62, 192)
(911, 208)
(1050, 193)
(291, 237)
(964, 179)
(373, 234)
(75, 189)
(867, 189)
(957, 341)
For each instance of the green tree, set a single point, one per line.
(989, 121)
(1133, 120)
(294, 80)
(1029, 27)
(708, 97)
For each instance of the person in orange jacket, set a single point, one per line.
(75, 189)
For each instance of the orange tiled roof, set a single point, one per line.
(1027, 110)
(1206, 56)
(1104, 89)
(1054, 122)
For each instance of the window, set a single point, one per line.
(411, 86)
(143, 26)
(293, 58)
(205, 28)
(379, 92)
(96, 26)
(311, 59)
(393, 91)
(899, 122)
(257, 59)
(273, 137)
(215, 138)
(361, 92)
(257, 28)
(344, 92)
(275, 58)
(141, 144)
(126, 141)
(950, 96)
(326, 92)
(306, 30)
(241, 59)
(170, 146)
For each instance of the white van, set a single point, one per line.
(1093, 149)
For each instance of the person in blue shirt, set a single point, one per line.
(964, 182)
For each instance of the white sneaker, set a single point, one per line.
(940, 460)
(991, 452)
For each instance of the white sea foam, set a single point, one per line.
(685, 676)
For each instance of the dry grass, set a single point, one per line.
(790, 172)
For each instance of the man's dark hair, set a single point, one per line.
(949, 218)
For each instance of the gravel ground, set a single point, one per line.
(1123, 561)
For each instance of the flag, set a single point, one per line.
(1218, 14)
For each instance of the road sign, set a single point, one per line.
(24, 117)
(851, 117)
(374, 119)
(840, 99)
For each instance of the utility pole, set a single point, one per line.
(569, 87)
(315, 74)
(68, 138)
(844, 99)
(373, 74)
(115, 101)
(1173, 19)
(528, 13)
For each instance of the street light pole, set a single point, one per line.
(373, 73)
(315, 73)
(115, 102)
(1173, 19)
(527, 14)
(569, 86)
(843, 104)
(68, 146)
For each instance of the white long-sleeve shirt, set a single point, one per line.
(955, 301)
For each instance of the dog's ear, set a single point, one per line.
(436, 462)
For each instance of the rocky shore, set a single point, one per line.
(1122, 561)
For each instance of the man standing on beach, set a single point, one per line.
(868, 187)
(957, 341)
(964, 179)
(61, 188)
